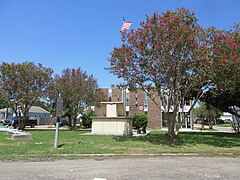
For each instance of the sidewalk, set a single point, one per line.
(197, 128)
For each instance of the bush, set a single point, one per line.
(87, 120)
(139, 120)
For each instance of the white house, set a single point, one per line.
(226, 115)
(34, 112)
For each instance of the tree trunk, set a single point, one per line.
(74, 127)
(21, 122)
(171, 124)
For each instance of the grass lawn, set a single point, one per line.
(73, 143)
(225, 125)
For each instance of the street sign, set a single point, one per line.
(59, 106)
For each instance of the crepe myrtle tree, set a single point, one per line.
(226, 59)
(225, 93)
(78, 90)
(22, 85)
(167, 57)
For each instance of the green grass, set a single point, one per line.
(73, 143)
(225, 125)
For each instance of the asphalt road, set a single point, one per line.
(174, 167)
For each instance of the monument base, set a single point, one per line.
(121, 126)
(21, 137)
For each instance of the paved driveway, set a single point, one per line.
(177, 168)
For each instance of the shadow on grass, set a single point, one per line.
(158, 138)
(60, 145)
(217, 139)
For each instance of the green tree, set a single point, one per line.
(22, 85)
(78, 91)
(167, 59)
(208, 112)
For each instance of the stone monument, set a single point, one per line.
(114, 123)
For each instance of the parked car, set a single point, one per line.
(227, 120)
(63, 122)
(220, 121)
(28, 122)
(7, 122)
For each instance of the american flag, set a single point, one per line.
(126, 26)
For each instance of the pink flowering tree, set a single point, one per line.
(225, 76)
(168, 58)
(22, 85)
(79, 91)
(226, 59)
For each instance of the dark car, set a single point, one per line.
(220, 121)
(207, 122)
(227, 120)
(28, 122)
(7, 122)
(62, 122)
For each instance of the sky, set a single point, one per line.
(64, 34)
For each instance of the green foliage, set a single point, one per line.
(225, 92)
(78, 89)
(207, 111)
(22, 85)
(139, 120)
(171, 55)
(164, 57)
(87, 119)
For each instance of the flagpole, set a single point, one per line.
(123, 95)
(122, 77)
(125, 26)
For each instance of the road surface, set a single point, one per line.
(165, 167)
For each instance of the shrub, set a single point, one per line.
(139, 120)
(87, 119)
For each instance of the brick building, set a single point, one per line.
(137, 102)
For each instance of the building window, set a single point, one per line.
(127, 97)
(145, 102)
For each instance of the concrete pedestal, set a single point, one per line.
(21, 137)
(121, 126)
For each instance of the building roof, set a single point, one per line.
(3, 110)
(33, 109)
(37, 109)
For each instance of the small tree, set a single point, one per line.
(78, 91)
(22, 85)
(208, 112)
